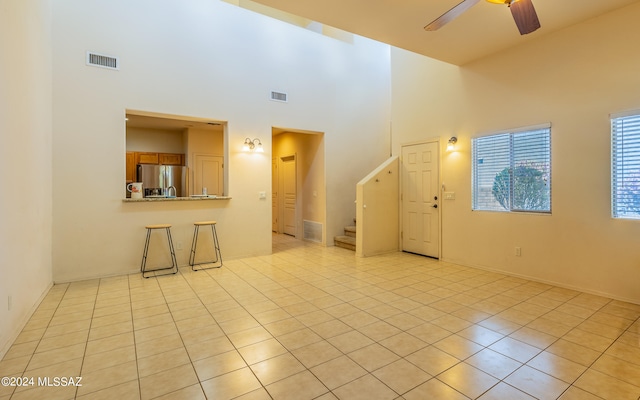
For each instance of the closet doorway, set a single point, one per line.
(298, 184)
(285, 195)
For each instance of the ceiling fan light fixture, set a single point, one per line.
(525, 16)
(523, 12)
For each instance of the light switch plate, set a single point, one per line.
(449, 195)
(263, 195)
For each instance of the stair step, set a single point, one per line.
(346, 242)
(350, 231)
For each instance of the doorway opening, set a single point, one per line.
(298, 200)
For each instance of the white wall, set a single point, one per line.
(25, 161)
(205, 59)
(574, 79)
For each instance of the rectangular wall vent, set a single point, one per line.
(279, 96)
(312, 231)
(103, 61)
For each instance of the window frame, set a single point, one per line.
(475, 206)
(617, 162)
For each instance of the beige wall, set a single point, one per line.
(25, 161)
(155, 140)
(574, 79)
(217, 62)
(377, 210)
(202, 141)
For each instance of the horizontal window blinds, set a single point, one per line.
(491, 156)
(512, 171)
(625, 168)
(532, 171)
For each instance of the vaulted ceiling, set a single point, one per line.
(484, 29)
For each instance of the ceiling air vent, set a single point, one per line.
(103, 61)
(279, 96)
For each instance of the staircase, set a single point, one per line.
(348, 240)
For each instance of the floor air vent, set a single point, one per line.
(100, 60)
(312, 231)
(279, 96)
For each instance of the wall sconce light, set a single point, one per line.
(451, 144)
(253, 145)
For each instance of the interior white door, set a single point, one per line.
(289, 194)
(420, 199)
(208, 172)
(274, 195)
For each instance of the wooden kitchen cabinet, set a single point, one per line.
(171, 159)
(147, 158)
(159, 158)
(131, 167)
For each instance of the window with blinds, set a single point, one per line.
(625, 166)
(512, 171)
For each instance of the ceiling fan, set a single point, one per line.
(524, 14)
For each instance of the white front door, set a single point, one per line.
(421, 199)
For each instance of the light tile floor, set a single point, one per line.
(310, 322)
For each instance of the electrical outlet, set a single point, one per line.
(518, 252)
(178, 245)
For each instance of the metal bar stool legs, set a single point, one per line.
(174, 263)
(217, 261)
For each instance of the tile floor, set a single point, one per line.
(317, 323)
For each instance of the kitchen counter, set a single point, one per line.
(196, 198)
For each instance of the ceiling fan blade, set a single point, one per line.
(524, 14)
(450, 15)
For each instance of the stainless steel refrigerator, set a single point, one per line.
(160, 180)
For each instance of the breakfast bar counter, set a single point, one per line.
(192, 198)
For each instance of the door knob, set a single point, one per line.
(435, 206)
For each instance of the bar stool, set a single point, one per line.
(217, 261)
(174, 263)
